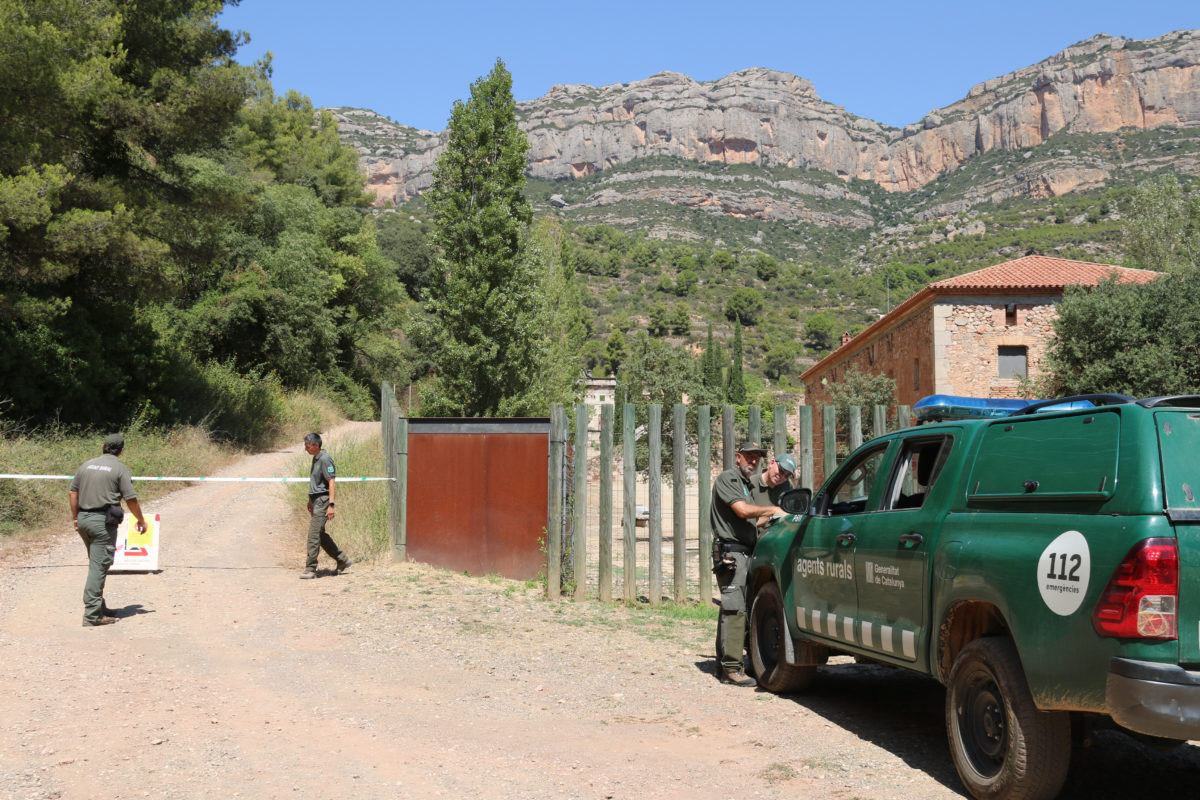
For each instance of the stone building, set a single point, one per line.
(598, 392)
(974, 335)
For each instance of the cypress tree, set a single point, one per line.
(711, 365)
(483, 307)
(735, 392)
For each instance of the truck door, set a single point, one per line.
(893, 553)
(823, 570)
(1178, 442)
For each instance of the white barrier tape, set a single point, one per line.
(338, 478)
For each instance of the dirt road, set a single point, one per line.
(228, 677)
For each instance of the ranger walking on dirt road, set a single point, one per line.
(321, 508)
(95, 497)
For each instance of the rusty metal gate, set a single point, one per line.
(477, 494)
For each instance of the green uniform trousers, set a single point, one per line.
(731, 624)
(318, 539)
(101, 541)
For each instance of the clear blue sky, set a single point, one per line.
(888, 61)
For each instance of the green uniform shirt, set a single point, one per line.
(322, 472)
(763, 495)
(730, 487)
(103, 481)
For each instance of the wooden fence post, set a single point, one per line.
(579, 504)
(400, 495)
(606, 493)
(754, 424)
(679, 499)
(829, 432)
(779, 441)
(903, 416)
(554, 513)
(655, 503)
(629, 476)
(878, 421)
(807, 472)
(856, 431)
(728, 438)
(393, 454)
(704, 492)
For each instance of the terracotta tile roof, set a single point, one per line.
(1041, 272)
(1032, 273)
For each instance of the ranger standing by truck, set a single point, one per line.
(1044, 565)
(735, 530)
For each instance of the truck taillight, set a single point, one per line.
(1140, 600)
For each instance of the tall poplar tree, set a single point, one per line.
(482, 309)
(563, 327)
(735, 391)
(712, 366)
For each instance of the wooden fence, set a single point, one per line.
(584, 515)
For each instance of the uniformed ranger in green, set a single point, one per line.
(95, 497)
(776, 479)
(734, 523)
(322, 480)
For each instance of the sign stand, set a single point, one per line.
(137, 552)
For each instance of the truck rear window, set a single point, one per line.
(1179, 447)
(1048, 458)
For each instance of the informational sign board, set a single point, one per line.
(137, 552)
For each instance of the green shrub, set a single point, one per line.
(247, 410)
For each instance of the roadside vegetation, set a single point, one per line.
(29, 507)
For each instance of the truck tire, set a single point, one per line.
(768, 626)
(1003, 747)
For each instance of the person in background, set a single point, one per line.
(734, 523)
(770, 485)
(95, 497)
(321, 484)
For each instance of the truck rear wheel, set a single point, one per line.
(1003, 747)
(768, 627)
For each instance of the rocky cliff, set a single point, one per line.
(774, 119)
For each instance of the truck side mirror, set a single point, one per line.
(796, 501)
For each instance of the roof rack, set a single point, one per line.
(1094, 399)
(1171, 400)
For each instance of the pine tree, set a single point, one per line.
(735, 391)
(482, 308)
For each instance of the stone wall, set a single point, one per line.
(948, 347)
(903, 352)
(970, 331)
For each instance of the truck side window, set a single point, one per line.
(917, 468)
(849, 495)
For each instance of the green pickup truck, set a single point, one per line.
(1044, 566)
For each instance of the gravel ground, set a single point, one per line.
(228, 677)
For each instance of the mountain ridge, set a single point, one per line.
(768, 118)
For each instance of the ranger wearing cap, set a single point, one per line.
(95, 496)
(734, 517)
(776, 479)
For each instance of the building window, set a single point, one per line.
(1012, 361)
(1010, 315)
(916, 374)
